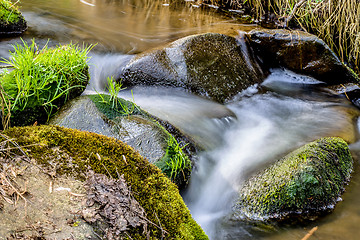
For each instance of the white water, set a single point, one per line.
(269, 126)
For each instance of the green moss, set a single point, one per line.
(307, 181)
(75, 151)
(122, 108)
(9, 13)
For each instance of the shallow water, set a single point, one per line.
(261, 124)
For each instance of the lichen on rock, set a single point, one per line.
(301, 186)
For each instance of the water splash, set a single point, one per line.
(269, 125)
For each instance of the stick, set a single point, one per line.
(297, 5)
(310, 233)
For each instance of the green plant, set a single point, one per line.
(117, 104)
(9, 12)
(41, 80)
(175, 161)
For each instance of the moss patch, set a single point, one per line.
(74, 152)
(11, 20)
(305, 183)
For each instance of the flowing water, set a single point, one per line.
(262, 123)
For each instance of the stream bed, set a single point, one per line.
(269, 120)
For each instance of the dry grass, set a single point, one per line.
(337, 22)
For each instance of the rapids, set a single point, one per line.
(266, 121)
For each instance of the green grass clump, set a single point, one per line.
(74, 152)
(175, 164)
(304, 183)
(41, 80)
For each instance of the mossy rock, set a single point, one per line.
(74, 152)
(212, 65)
(300, 52)
(301, 186)
(12, 21)
(132, 126)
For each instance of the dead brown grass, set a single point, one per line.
(337, 22)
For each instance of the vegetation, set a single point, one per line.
(9, 12)
(74, 152)
(11, 20)
(41, 80)
(337, 22)
(303, 184)
(119, 106)
(175, 164)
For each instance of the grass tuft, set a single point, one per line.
(41, 80)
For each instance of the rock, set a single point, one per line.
(136, 128)
(301, 186)
(349, 90)
(11, 21)
(66, 153)
(300, 52)
(212, 65)
(142, 134)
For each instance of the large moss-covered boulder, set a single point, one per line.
(302, 185)
(130, 124)
(42, 80)
(300, 52)
(211, 65)
(11, 20)
(67, 152)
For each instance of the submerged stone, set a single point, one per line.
(301, 186)
(300, 52)
(211, 65)
(62, 152)
(12, 21)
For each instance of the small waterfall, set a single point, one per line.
(268, 126)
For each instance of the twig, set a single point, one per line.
(17, 146)
(162, 230)
(19, 194)
(6, 66)
(297, 5)
(345, 92)
(310, 233)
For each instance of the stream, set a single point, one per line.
(269, 120)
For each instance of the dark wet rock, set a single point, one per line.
(139, 132)
(211, 65)
(300, 52)
(301, 186)
(349, 90)
(12, 22)
(52, 177)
